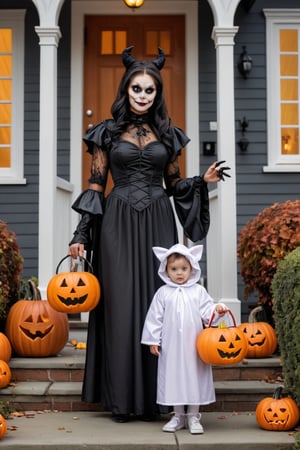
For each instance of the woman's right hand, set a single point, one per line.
(76, 250)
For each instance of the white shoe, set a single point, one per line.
(194, 424)
(176, 423)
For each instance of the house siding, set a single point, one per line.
(19, 203)
(255, 190)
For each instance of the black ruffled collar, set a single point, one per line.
(138, 119)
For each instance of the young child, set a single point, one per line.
(175, 317)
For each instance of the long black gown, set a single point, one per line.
(137, 215)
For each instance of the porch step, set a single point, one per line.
(55, 383)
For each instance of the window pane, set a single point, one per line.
(288, 65)
(106, 43)
(290, 141)
(121, 42)
(4, 157)
(289, 89)
(5, 40)
(289, 114)
(165, 42)
(288, 40)
(5, 114)
(5, 66)
(5, 90)
(5, 135)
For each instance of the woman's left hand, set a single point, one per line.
(215, 173)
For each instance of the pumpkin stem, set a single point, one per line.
(29, 290)
(277, 393)
(253, 314)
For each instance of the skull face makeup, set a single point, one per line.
(141, 93)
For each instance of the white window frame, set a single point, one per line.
(277, 19)
(14, 19)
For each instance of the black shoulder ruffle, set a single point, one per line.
(89, 201)
(100, 135)
(180, 139)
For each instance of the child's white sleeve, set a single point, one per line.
(152, 329)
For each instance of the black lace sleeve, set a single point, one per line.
(190, 200)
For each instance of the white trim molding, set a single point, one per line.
(277, 19)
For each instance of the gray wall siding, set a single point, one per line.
(255, 190)
(19, 203)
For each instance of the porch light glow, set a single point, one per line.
(134, 3)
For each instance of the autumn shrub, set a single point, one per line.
(10, 269)
(285, 288)
(263, 242)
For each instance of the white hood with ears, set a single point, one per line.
(193, 255)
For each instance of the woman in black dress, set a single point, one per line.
(140, 147)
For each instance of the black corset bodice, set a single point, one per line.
(138, 173)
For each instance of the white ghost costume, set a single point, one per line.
(174, 320)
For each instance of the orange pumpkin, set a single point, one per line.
(35, 329)
(222, 345)
(3, 426)
(5, 348)
(277, 413)
(5, 374)
(73, 292)
(261, 337)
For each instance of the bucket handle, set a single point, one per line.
(74, 266)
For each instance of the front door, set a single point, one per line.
(105, 39)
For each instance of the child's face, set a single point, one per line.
(179, 270)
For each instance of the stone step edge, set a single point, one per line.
(62, 388)
(76, 360)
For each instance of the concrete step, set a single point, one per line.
(237, 395)
(55, 383)
(93, 430)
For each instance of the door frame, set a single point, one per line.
(80, 8)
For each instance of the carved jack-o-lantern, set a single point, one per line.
(5, 374)
(223, 345)
(34, 328)
(277, 413)
(73, 292)
(261, 336)
(3, 426)
(5, 348)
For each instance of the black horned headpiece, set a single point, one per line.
(128, 59)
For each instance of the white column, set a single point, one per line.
(224, 275)
(49, 35)
(48, 152)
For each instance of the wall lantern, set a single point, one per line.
(243, 142)
(245, 63)
(134, 3)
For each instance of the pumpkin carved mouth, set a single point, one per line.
(37, 334)
(258, 344)
(229, 354)
(277, 421)
(72, 301)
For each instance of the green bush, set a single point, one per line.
(286, 307)
(10, 269)
(263, 242)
